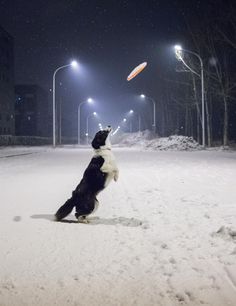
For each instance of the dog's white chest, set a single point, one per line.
(109, 166)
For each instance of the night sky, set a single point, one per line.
(108, 38)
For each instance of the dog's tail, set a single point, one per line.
(65, 210)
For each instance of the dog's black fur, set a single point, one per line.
(94, 180)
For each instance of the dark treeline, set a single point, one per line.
(210, 33)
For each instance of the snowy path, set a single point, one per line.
(153, 240)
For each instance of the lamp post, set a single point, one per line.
(130, 124)
(139, 119)
(89, 100)
(154, 109)
(179, 52)
(124, 123)
(73, 64)
(87, 124)
(139, 123)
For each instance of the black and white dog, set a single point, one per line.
(100, 171)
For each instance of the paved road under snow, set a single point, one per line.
(164, 234)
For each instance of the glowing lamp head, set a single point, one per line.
(124, 120)
(90, 100)
(177, 48)
(142, 96)
(131, 111)
(94, 113)
(178, 52)
(74, 64)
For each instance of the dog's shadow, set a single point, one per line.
(131, 222)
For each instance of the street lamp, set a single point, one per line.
(74, 65)
(130, 124)
(87, 123)
(139, 119)
(117, 130)
(179, 55)
(89, 100)
(142, 96)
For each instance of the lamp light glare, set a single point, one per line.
(74, 64)
(178, 48)
(178, 52)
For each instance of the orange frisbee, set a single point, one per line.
(136, 71)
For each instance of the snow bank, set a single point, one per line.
(147, 140)
(174, 142)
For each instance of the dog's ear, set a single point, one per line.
(95, 144)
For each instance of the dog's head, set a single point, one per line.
(102, 139)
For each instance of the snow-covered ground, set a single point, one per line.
(164, 234)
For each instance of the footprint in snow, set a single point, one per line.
(17, 218)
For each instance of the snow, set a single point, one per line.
(146, 140)
(164, 234)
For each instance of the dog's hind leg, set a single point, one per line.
(65, 209)
(85, 208)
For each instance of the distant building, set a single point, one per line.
(7, 116)
(31, 111)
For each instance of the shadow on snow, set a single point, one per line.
(131, 222)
